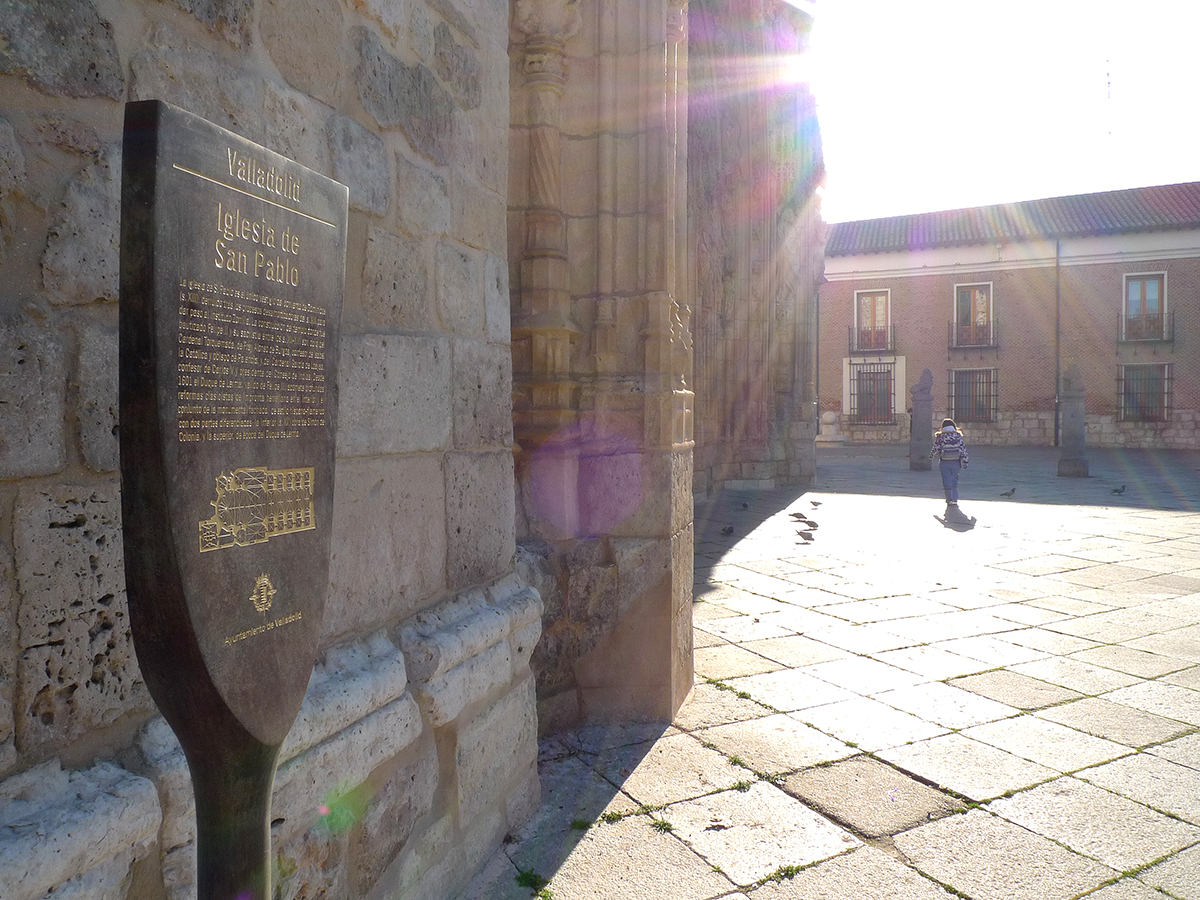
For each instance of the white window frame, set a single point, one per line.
(1124, 312)
(991, 288)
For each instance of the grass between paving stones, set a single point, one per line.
(741, 695)
(613, 816)
(532, 880)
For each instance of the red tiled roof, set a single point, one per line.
(1163, 207)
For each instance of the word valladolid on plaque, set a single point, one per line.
(232, 273)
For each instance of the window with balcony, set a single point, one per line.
(871, 391)
(974, 395)
(1143, 312)
(871, 317)
(1144, 393)
(974, 323)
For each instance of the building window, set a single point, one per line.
(1144, 307)
(871, 314)
(974, 324)
(1145, 393)
(871, 391)
(974, 395)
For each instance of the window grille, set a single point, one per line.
(974, 395)
(871, 389)
(1144, 393)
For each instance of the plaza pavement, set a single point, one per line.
(901, 710)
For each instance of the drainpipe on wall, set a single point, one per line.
(1057, 339)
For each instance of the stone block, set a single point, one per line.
(495, 750)
(480, 517)
(442, 698)
(108, 881)
(422, 198)
(458, 66)
(76, 665)
(310, 864)
(62, 47)
(328, 774)
(55, 825)
(381, 573)
(496, 304)
(166, 766)
(8, 669)
(230, 19)
(82, 252)
(440, 638)
(304, 42)
(478, 216)
(396, 292)
(460, 298)
(390, 816)
(390, 15)
(395, 394)
(170, 67)
(97, 400)
(360, 161)
(12, 180)
(482, 395)
(32, 404)
(348, 683)
(642, 563)
(409, 98)
(293, 124)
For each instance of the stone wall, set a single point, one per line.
(602, 396)
(414, 753)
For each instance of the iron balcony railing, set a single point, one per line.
(1160, 328)
(973, 334)
(872, 340)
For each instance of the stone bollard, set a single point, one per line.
(1071, 462)
(920, 432)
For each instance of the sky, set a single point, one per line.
(942, 104)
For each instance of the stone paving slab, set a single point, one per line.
(1015, 689)
(1179, 875)
(1116, 831)
(974, 770)
(730, 661)
(795, 651)
(945, 705)
(869, 724)
(1156, 782)
(673, 768)
(775, 744)
(1115, 722)
(864, 874)
(872, 798)
(790, 689)
(1047, 743)
(1185, 751)
(750, 834)
(711, 705)
(987, 858)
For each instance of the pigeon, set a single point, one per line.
(807, 535)
(1009, 492)
(1119, 490)
(815, 503)
(728, 529)
(798, 515)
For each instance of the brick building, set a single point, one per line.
(998, 301)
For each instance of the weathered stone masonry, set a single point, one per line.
(415, 750)
(512, 534)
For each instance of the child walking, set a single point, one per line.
(951, 451)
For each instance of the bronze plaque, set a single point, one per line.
(232, 272)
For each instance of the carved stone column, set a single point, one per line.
(547, 393)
